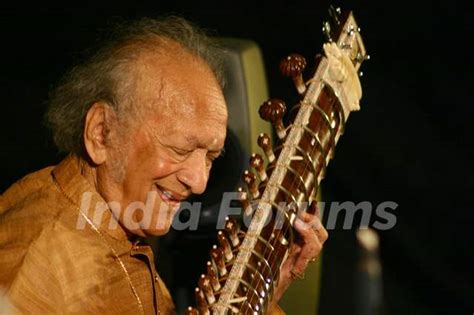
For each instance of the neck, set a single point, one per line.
(89, 172)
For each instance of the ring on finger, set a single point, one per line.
(297, 274)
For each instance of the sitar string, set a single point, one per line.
(271, 255)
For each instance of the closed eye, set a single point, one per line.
(212, 156)
(182, 153)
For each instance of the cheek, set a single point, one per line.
(159, 221)
(162, 168)
(145, 167)
(144, 170)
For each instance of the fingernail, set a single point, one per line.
(317, 225)
(300, 224)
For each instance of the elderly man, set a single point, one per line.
(142, 120)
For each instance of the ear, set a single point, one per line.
(95, 131)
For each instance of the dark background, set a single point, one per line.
(410, 143)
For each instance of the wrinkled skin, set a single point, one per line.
(168, 150)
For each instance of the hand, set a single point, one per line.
(312, 237)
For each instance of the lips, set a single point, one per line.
(170, 197)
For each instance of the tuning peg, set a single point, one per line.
(224, 245)
(360, 58)
(232, 228)
(273, 111)
(211, 272)
(191, 311)
(204, 284)
(251, 180)
(293, 66)
(218, 259)
(327, 31)
(335, 13)
(351, 30)
(244, 200)
(201, 302)
(265, 143)
(256, 162)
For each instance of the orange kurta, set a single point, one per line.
(53, 261)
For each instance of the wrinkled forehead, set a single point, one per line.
(175, 82)
(181, 95)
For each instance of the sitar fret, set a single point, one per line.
(296, 168)
(263, 210)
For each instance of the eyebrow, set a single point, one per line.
(191, 140)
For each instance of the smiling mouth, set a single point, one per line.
(169, 197)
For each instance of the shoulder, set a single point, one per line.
(65, 268)
(34, 197)
(26, 209)
(25, 189)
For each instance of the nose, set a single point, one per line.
(195, 173)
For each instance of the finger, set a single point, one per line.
(322, 234)
(294, 253)
(307, 253)
(318, 227)
(317, 212)
(312, 220)
(305, 216)
(312, 245)
(314, 209)
(306, 231)
(302, 223)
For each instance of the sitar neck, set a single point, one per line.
(249, 272)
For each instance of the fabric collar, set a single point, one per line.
(82, 194)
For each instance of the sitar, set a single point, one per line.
(244, 268)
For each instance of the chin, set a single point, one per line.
(160, 232)
(161, 229)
